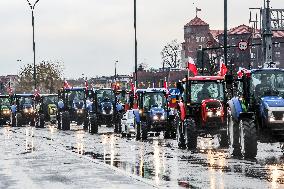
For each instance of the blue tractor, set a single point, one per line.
(108, 108)
(154, 114)
(24, 109)
(258, 107)
(75, 105)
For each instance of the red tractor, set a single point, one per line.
(202, 110)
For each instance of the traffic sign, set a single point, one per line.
(243, 45)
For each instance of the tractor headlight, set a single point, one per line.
(79, 111)
(271, 117)
(31, 110)
(155, 117)
(209, 114)
(140, 111)
(26, 110)
(162, 117)
(6, 112)
(218, 113)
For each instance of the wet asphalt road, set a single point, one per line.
(49, 158)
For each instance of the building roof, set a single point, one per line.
(242, 29)
(278, 33)
(215, 33)
(197, 22)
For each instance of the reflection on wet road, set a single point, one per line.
(160, 161)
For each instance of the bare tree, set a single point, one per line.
(49, 77)
(171, 55)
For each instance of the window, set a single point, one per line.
(277, 54)
(202, 39)
(197, 39)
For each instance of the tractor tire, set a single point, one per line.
(138, 131)
(65, 121)
(181, 136)
(191, 133)
(224, 139)
(13, 120)
(86, 123)
(248, 138)
(19, 120)
(59, 121)
(93, 124)
(144, 128)
(40, 123)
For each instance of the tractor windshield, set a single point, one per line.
(26, 100)
(154, 100)
(4, 102)
(105, 94)
(50, 100)
(77, 96)
(267, 83)
(206, 90)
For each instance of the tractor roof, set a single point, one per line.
(151, 90)
(266, 69)
(206, 78)
(75, 89)
(24, 95)
(4, 96)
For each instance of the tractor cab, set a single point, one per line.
(205, 100)
(263, 90)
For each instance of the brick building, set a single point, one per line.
(197, 35)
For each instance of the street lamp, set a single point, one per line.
(33, 24)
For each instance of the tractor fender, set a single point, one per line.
(137, 115)
(249, 115)
(236, 107)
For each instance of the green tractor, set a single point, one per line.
(5, 109)
(47, 109)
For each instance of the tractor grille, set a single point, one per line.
(159, 114)
(278, 115)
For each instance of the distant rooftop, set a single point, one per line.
(197, 22)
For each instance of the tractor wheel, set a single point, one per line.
(180, 135)
(65, 121)
(94, 125)
(138, 131)
(19, 120)
(224, 139)
(191, 133)
(248, 138)
(41, 121)
(59, 121)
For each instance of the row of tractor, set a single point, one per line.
(237, 108)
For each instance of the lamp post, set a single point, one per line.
(33, 25)
(226, 32)
(135, 36)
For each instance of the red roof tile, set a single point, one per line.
(242, 29)
(197, 22)
(278, 33)
(215, 33)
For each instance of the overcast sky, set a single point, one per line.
(89, 35)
